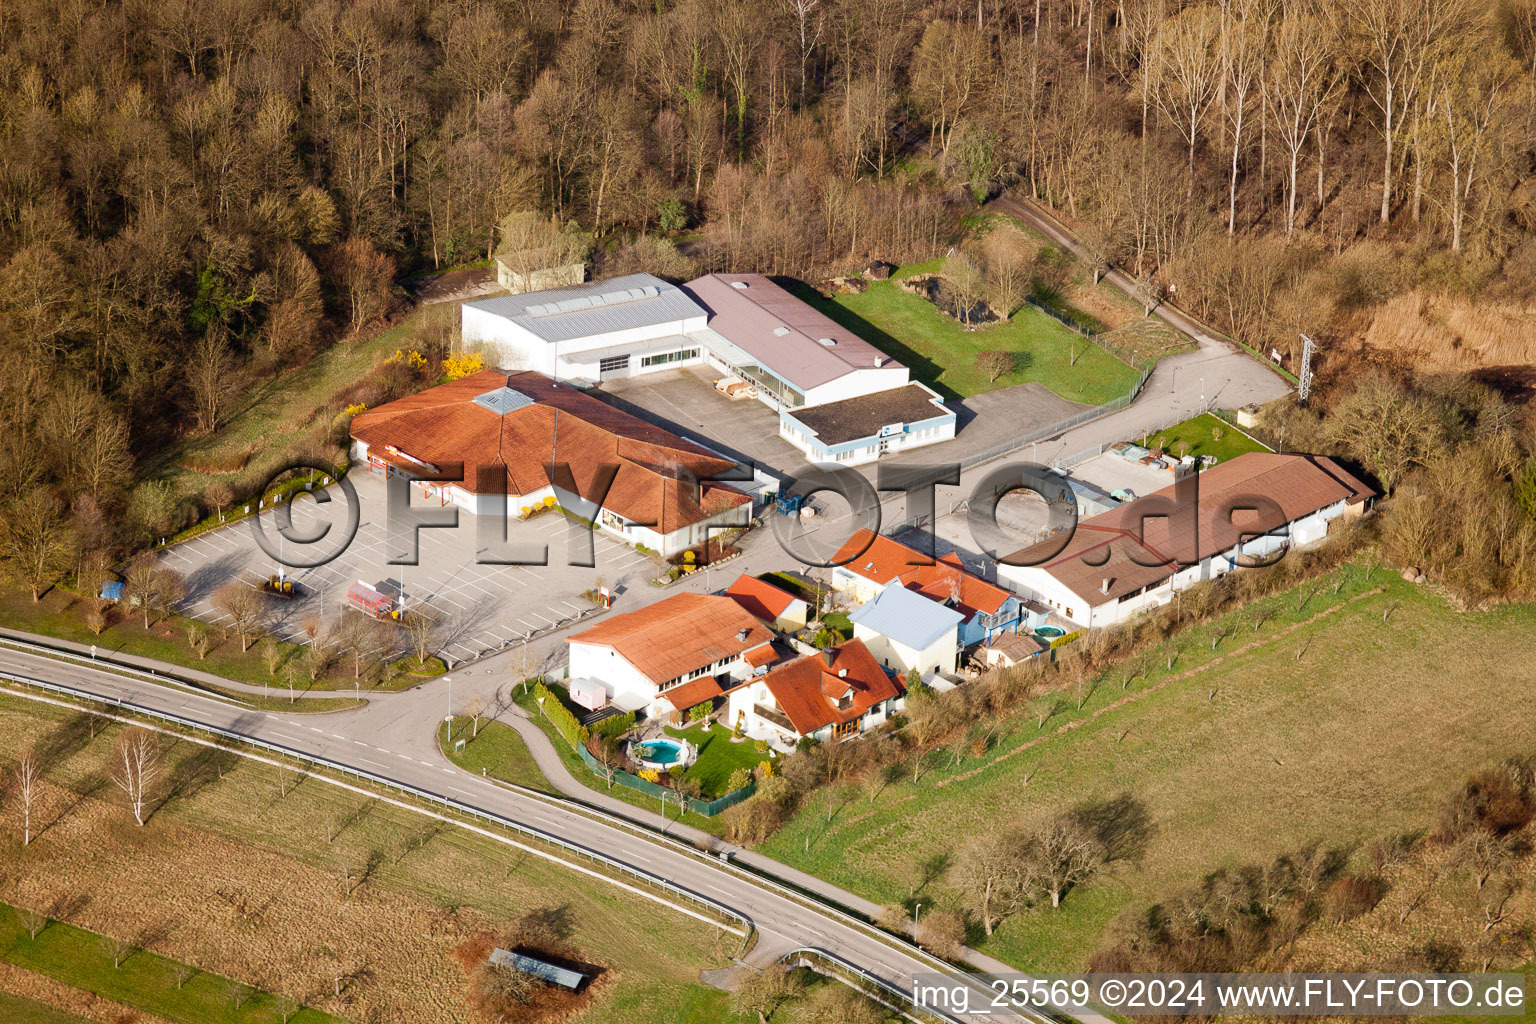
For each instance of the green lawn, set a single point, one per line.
(719, 756)
(144, 980)
(18, 1010)
(579, 770)
(942, 353)
(1206, 435)
(496, 751)
(1341, 730)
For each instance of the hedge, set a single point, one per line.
(574, 732)
(614, 727)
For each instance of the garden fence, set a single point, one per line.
(708, 808)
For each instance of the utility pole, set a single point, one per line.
(1304, 378)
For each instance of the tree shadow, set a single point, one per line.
(192, 775)
(1122, 823)
(922, 367)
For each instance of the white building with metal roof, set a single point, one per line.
(595, 331)
(795, 354)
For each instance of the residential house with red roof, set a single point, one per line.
(673, 655)
(774, 605)
(833, 695)
(504, 433)
(1140, 554)
(868, 561)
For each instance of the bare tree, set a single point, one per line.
(994, 363)
(1189, 72)
(37, 539)
(26, 780)
(136, 765)
(1302, 77)
(245, 609)
(1398, 41)
(475, 708)
(33, 921)
(991, 873)
(1059, 855)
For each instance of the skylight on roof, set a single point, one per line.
(503, 400)
(739, 284)
(780, 331)
(829, 342)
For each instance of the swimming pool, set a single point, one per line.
(1048, 632)
(663, 752)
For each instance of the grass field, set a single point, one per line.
(719, 756)
(942, 353)
(144, 981)
(495, 751)
(1347, 715)
(287, 883)
(19, 1010)
(1206, 435)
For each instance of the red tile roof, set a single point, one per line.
(880, 559)
(760, 656)
(806, 689)
(678, 635)
(1145, 541)
(760, 597)
(658, 472)
(695, 691)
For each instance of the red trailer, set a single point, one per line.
(370, 600)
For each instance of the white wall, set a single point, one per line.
(858, 382)
(939, 656)
(594, 661)
(505, 343)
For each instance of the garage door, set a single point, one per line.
(613, 366)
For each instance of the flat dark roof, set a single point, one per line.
(853, 419)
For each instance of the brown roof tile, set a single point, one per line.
(679, 634)
(879, 558)
(760, 597)
(658, 472)
(1145, 541)
(695, 691)
(800, 688)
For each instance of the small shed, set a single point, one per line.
(589, 693)
(878, 270)
(542, 969)
(369, 600)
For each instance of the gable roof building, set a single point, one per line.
(1135, 556)
(682, 650)
(768, 602)
(834, 694)
(593, 331)
(507, 431)
(906, 630)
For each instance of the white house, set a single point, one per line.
(595, 331)
(905, 630)
(794, 354)
(673, 655)
(834, 695)
(1139, 555)
(499, 436)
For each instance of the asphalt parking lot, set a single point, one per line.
(685, 402)
(481, 608)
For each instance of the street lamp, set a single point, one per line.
(449, 680)
(915, 911)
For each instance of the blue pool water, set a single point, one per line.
(662, 751)
(1048, 632)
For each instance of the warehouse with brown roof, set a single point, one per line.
(1140, 554)
(492, 440)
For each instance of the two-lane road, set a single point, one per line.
(783, 924)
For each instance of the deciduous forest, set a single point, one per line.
(195, 196)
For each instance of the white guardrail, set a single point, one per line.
(646, 877)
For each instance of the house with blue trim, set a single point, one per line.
(868, 561)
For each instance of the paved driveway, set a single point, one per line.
(482, 608)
